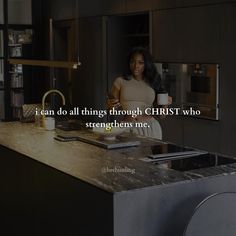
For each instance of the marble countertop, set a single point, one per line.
(111, 170)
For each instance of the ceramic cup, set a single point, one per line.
(162, 99)
(49, 123)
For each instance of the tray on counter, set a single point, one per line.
(91, 138)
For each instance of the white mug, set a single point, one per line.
(49, 123)
(162, 99)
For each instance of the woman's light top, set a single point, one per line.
(134, 94)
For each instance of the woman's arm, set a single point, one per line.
(113, 99)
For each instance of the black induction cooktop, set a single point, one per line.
(167, 151)
(198, 162)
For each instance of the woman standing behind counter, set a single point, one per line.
(138, 90)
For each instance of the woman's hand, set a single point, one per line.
(112, 103)
(169, 100)
(166, 106)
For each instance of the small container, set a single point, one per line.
(49, 123)
(162, 99)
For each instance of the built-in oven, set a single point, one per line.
(194, 87)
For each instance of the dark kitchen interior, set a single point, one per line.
(68, 181)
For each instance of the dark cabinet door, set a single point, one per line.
(116, 48)
(187, 34)
(114, 7)
(89, 87)
(137, 5)
(65, 49)
(91, 7)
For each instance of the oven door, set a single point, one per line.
(193, 87)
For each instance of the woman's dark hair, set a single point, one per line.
(151, 76)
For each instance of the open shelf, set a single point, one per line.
(16, 39)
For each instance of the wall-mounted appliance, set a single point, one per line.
(193, 85)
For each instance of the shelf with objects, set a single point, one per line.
(19, 46)
(26, 60)
(16, 40)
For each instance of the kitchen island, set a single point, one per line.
(74, 188)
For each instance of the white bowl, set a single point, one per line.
(108, 133)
